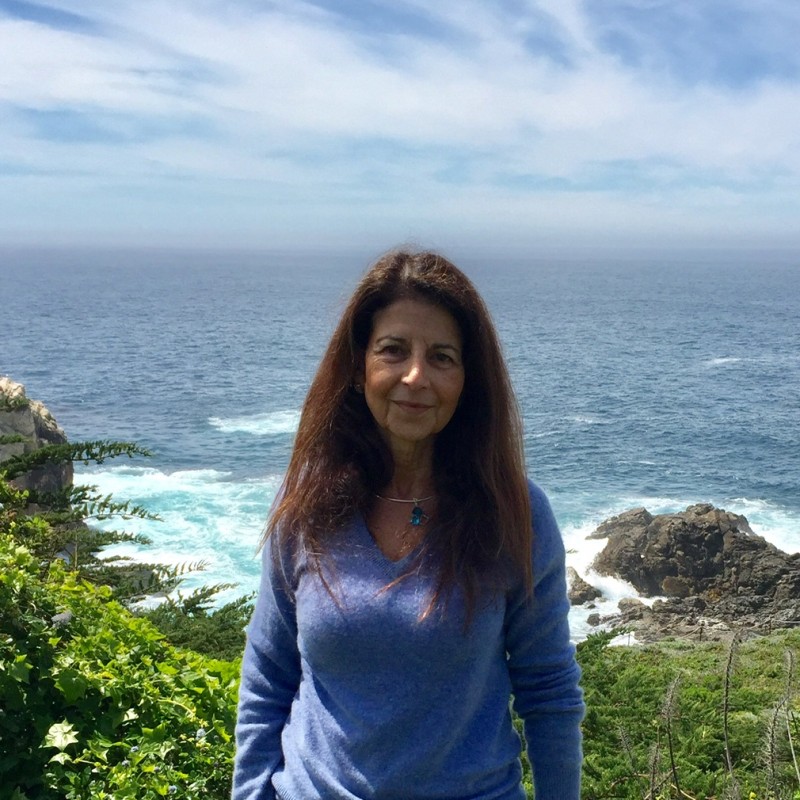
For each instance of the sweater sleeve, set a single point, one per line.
(269, 681)
(542, 666)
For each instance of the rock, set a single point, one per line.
(695, 550)
(580, 592)
(31, 422)
(631, 606)
(675, 586)
(633, 519)
(62, 620)
(714, 573)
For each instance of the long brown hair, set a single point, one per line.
(340, 459)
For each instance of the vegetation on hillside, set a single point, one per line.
(95, 700)
(95, 703)
(692, 720)
(13, 402)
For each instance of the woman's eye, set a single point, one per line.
(443, 358)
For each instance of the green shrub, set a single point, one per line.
(95, 703)
(190, 622)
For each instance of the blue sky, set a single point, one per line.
(506, 124)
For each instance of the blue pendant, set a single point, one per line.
(417, 516)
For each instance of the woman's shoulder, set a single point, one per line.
(546, 534)
(283, 556)
(537, 494)
(540, 503)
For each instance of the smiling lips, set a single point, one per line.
(410, 407)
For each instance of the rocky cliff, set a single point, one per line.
(25, 426)
(711, 573)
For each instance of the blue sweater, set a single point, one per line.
(357, 699)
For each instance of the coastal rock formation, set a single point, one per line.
(25, 426)
(580, 592)
(711, 573)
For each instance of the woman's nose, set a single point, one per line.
(416, 373)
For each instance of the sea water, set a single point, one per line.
(643, 381)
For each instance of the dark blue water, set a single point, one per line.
(642, 381)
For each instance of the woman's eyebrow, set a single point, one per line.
(403, 340)
(390, 338)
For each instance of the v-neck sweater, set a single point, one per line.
(349, 694)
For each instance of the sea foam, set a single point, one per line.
(203, 518)
(718, 362)
(275, 423)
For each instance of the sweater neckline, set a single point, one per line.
(394, 568)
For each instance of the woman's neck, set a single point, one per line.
(412, 479)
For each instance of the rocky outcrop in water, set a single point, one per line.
(25, 426)
(580, 592)
(714, 573)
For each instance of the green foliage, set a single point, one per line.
(190, 622)
(656, 713)
(95, 703)
(84, 503)
(54, 526)
(84, 452)
(12, 438)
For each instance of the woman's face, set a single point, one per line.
(413, 371)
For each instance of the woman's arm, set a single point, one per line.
(270, 677)
(542, 666)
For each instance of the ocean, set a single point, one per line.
(644, 380)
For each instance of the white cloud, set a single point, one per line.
(296, 105)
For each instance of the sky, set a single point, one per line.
(499, 124)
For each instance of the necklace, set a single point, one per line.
(418, 516)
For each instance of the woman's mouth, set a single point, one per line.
(412, 408)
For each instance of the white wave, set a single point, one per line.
(147, 482)
(274, 423)
(717, 362)
(581, 552)
(586, 419)
(544, 434)
(204, 517)
(777, 525)
(655, 504)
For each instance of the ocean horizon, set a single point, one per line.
(652, 381)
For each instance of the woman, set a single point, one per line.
(413, 579)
